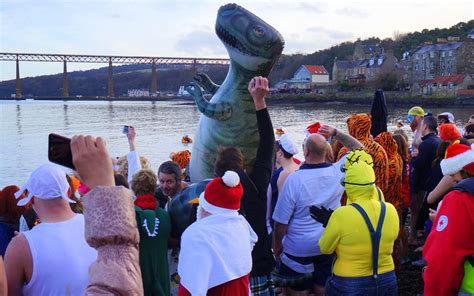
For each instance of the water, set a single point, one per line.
(25, 125)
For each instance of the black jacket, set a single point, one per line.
(422, 164)
(254, 201)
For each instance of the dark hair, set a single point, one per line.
(440, 152)
(228, 159)
(170, 168)
(285, 153)
(469, 128)
(431, 123)
(120, 180)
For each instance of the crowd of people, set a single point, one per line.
(338, 222)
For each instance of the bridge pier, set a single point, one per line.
(65, 81)
(110, 81)
(17, 81)
(154, 86)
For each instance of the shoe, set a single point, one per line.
(419, 262)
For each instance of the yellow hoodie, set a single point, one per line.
(347, 233)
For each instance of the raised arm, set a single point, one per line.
(113, 233)
(133, 159)
(262, 169)
(346, 140)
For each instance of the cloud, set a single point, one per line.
(336, 35)
(201, 42)
(352, 11)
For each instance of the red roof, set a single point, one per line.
(454, 79)
(316, 69)
(465, 92)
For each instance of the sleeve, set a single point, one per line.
(262, 169)
(419, 162)
(114, 234)
(134, 165)
(285, 205)
(331, 235)
(448, 244)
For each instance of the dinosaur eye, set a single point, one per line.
(259, 31)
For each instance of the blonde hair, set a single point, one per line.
(144, 182)
(122, 162)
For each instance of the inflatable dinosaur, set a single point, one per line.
(228, 118)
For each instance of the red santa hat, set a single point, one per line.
(312, 128)
(222, 195)
(458, 157)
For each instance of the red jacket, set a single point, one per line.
(450, 242)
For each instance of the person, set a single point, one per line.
(469, 133)
(421, 162)
(453, 231)
(296, 235)
(170, 183)
(361, 234)
(182, 158)
(53, 258)
(111, 226)
(10, 215)
(255, 184)
(449, 132)
(394, 191)
(3, 278)
(284, 158)
(132, 162)
(154, 227)
(359, 127)
(415, 119)
(471, 120)
(215, 257)
(445, 117)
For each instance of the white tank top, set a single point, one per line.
(61, 258)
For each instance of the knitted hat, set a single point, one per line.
(287, 145)
(458, 157)
(449, 132)
(222, 195)
(312, 128)
(416, 111)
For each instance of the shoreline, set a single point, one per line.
(288, 99)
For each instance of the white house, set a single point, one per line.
(316, 74)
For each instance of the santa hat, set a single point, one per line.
(312, 129)
(222, 195)
(458, 157)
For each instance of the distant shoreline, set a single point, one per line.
(287, 99)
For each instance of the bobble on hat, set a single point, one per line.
(231, 179)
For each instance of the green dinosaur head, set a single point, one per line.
(251, 42)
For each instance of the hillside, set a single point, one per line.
(94, 82)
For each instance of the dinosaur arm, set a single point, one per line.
(206, 82)
(218, 111)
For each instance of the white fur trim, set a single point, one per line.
(231, 179)
(214, 209)
(455, 164)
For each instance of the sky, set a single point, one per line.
(186, 28)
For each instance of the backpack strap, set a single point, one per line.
(374, 234)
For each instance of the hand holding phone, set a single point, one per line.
(59, 151)
(125, 129)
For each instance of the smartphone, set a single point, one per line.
(125, 129)
(59, 150)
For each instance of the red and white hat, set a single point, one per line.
(222, 195)
(312, 129)
(458, 157)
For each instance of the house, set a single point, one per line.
(451, 84)
(442, 59)
(315, 74)
(470, 35)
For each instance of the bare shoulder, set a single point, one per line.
(18, 251)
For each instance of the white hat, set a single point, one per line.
(46, 182)
(287, 145)
(449, 115)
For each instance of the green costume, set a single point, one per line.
(154, 227)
